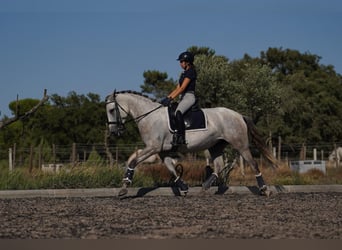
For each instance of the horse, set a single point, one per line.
(223, 126)
(336, 155)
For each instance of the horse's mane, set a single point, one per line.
(132, 92)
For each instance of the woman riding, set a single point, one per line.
(186, 89)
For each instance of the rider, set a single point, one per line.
(186, 90)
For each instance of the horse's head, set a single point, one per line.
(116, 115)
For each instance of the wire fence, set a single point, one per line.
(73, 155)
(116, 155)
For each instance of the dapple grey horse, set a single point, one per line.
(223, 126)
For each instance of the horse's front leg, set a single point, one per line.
(132, 162)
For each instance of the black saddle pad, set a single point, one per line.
(194, 118)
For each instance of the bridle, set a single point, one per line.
(118, 119)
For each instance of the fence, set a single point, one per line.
(114, 155)
(73, 155)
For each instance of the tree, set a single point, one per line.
(287, 62)
(246, 86)
(212, 80)
(75, 118)
(313, 104)
(256, 92)
(157, 84)
(23, 109)
(206, 51)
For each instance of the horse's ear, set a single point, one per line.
(114, 92)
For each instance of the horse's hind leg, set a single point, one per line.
(216, 153)
(178, 182)
(246, 154)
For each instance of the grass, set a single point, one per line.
(86, 177)
(154, 175)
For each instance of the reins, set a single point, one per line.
(140, 117)
(135, 119)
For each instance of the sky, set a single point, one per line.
(96, 46)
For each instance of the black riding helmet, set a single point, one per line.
(186, 56)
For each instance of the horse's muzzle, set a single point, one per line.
(115, 129)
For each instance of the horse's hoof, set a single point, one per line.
(183, 193)
(221, 189)
(209, 182)
(264, 191)
(268, 193)
(182, 186)
(123, 191)
(205, 187)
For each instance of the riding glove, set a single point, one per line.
(166, 101)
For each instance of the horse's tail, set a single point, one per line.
(259, 142)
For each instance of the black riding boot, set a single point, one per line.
(179, 135)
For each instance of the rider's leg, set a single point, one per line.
(179, 136)
(187, 100)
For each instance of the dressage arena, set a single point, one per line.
(307, 213)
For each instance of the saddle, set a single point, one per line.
(194, 118)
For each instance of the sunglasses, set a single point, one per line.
(181, 61)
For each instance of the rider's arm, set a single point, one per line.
(180, 88)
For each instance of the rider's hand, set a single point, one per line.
(166, 101)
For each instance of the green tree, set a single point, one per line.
(256, 92)
(212, 80)
(288, 61)
(157, 84)
(22, 106)
(312, 108)
(206, 51)
(64, 120)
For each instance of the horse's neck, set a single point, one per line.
(137, 105)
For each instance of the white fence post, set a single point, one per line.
(10, 157)
(274, 152)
